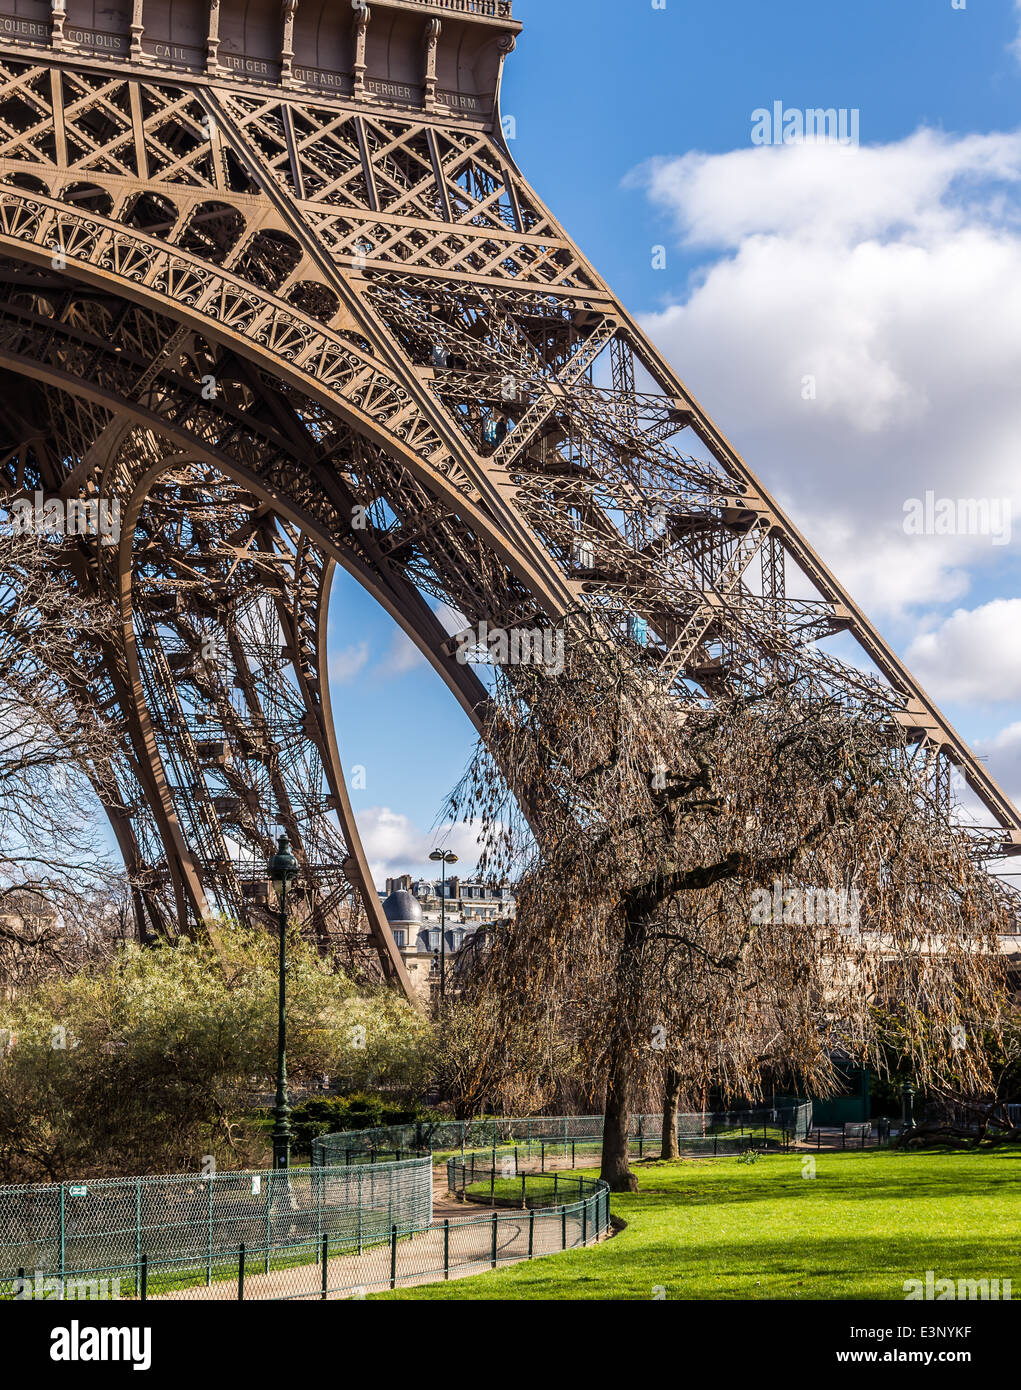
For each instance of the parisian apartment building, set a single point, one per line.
(415, 908)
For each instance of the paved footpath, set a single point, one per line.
(420, 1258)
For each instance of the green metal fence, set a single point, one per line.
(533, 1215)
(772, 1124)
(499, 1178)
(103, 1229)
(360, 1218)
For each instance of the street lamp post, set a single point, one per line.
(443, 858)
(907, 1105)
(283, 869)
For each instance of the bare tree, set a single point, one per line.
(54, 747)
(666, 833)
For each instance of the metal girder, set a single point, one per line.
(283, 292)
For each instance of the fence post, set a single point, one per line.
(446, 1248)
(319, 1178)
(495, 1220)
(515, 1160)
(209, 1232)
(563, 1228)
(326, 1262)
(393, 1257)
(524, 1202)
(584, 1223)
(555, 1189)
(63, 1233)
(531, 1234)
(543, 1155)
(143, 1277)
(573, 1162)
(241, 1273)
(492, 1182)
(268, 1216)
(138, 1220)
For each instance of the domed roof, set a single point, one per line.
(401, 910)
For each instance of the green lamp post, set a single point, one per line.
(443, 858)
(907, 1094)
(283, 870)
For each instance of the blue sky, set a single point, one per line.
(890, 274)
(639, 82)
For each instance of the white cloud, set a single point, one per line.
(450, 618)
(974, 655)
(891, 275)
(820, 190)
(402, 656)
(348, 663)
(395, 845)
(1004, 755)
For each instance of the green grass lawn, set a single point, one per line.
(719, 1229)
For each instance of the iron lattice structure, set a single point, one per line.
(272, 281)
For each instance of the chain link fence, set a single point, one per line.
(696, 1133)
(188, 1227)
(347, 1252)
(532, 1216)
(358, 1222)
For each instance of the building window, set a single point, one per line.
(400, 937)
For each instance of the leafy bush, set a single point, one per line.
(361, 1110)
(151, 1062)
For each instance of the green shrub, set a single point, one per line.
(360, 1110)
(150, 1061)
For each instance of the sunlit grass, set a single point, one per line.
(722, 1229)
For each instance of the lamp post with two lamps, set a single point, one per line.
(283, 870)
(443, 858)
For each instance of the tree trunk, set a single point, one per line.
(616, 1171)
(671, 1092)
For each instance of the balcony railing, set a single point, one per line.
(489, 9)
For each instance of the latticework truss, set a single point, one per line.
(281, 291)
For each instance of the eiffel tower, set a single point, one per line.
(272, 281)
